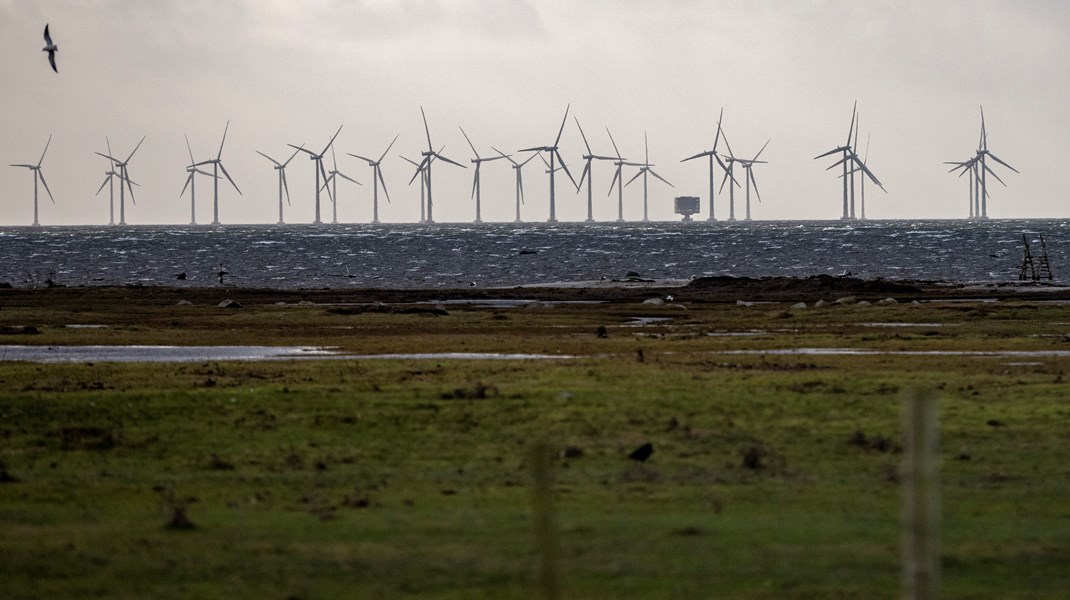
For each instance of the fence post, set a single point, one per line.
(540, 458)
(921, 497)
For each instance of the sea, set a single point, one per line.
(451, 255)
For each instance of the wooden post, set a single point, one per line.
(921, 498)
(545, 526)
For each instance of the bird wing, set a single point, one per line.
(48, 37)
(52, 60)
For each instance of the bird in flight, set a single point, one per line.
(51, 49)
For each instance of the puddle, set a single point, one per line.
(903, 324)
(85, 326)
(641, 321)
(78, 354)
(867, 352)
(176, 354)
(751, 333)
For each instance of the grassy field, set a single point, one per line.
(773, 476)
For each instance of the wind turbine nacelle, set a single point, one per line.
(686, 206)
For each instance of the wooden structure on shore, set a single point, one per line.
(1035, 268)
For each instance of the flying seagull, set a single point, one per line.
(51, 49)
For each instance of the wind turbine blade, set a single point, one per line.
(717, 138)
(334, 160)
(831, 152)
(504, 155)
(640, 172)
(660, 177)
(850, 132)
(224, 169)
(646, 149)
(427, 130)
(583, 176)
(699, 155)
(409, 160)
(584, 139)
(41, 175)
(615, 149)
(285, 186)
(198, 171)
(22, 165)
(129, 186)
(108, 142)
(135, 149)
(562, 129)
(535, 149)
(46, 150)
(996, 158)
(302, 149)
(269, 158)
(754, 184)
(379, 174)
(190, 150)
(984, 130)
(219, 155)
(727, 145)
(529, 159)
(475, 182)
(565, 167)
(437, 155)
(180, 194)
(293, 155)
(331, 143)
(388, 148)
(727, 174)
(616, 177)
(871, 176)
(470, 144)
(755, 159)
(839, 162)
(348, 178)
(987, 168)
(520, 184)
(107, 179)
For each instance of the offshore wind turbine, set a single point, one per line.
(377, 178)
(847, 150)
(749, 176)
(713, 156)
(730, 175)
(35, 170)
(969, 166)
(587, 173)
(854, 165)
(109, 180)
(646, 169)
(618, 177)
(332, 180)
(124, 176)
(318, 159)
(191, 184)
(421, 169)
(982, 170)
(217, 166)
(425, 167)
(477, 161)
(518, 168)
(281, 168)
(554, 154)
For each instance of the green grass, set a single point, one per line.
(409, 478)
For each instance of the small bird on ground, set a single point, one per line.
(642, 453)
(51, 49)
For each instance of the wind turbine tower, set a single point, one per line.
(618, 177)
(124, 177)
(590, 157)
(478, 162)
(645, 169)
(318, 159)
(518, 168)
(425, 167)
(191, 182)
(713, 156)
(554, 154)
(749, 176)
(217, 166)
(377, 178)
(281, 168)
(847, 150)
(35, 170)
(332, 180)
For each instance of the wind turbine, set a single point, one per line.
(846, 150)
(421, 169)
(587, 174)
(425, 166)
(730, 175)
(554, 154)
(478, 162)
(713, 156)
(38, 175)
(109, 180)
(749, 176)
(318, 159)
(857, 165)
(618, 177)
(969, 166)
(332, 180)
(281, 168)
(191, 184)
(983, 169)
(644, 169)
(518, 168)
(377, 178)
(217, 166)
(124, 176)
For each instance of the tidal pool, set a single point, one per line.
(174, 354)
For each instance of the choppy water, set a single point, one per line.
(451, 255)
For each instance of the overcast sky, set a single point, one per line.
(292, 72)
